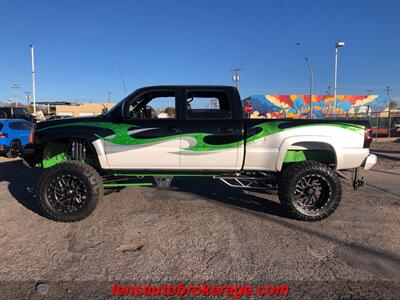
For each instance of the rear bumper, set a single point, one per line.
(369, 162)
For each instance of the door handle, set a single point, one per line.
(173, 129)
(228, 130)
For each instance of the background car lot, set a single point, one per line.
(198, 230)
(14, 135)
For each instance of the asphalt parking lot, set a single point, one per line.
(199, 230)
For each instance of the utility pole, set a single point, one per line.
(388, 90)
(328, 91)
(33, 79)
(28, 98)
(311, 76)
(109, 97)
(16, 88)
(235, 76)
(370, 91)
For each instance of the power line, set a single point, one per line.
(312, 32)
(260, 33)
(280, 34)
(294, 14)
(387, 90)
(121, 75)
(326, 21)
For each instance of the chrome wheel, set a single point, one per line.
(66, 193)
(312, 192)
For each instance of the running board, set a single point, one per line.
(248, 182)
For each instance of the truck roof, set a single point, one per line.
(161, 87)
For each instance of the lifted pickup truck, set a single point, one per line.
(167, 131)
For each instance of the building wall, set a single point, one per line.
(298, 106)
(89, 109)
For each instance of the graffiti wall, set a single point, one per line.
(298, 106)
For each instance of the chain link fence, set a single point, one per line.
(384, 124)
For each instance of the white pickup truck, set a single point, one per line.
(165, 131)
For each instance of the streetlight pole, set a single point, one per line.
(337, 46)
(33, 79)
(311, 77)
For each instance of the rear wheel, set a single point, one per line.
(310, 191)
(15, 149)
(69, 191)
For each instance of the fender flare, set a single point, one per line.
(97, 146)
(313, 139)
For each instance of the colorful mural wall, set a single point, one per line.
(298, 106)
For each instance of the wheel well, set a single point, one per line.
(316, 151)
(16, 140)
(63, 149)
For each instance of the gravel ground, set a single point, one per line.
(199, 230)
(386, 151)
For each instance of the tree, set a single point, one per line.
(393, 104)
(170, 111)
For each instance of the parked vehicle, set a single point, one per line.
(15, 113)
(58, 117)
(14, 135)
(202, 132)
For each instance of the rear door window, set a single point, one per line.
(26, 126)
(208, 105)
(20, 126)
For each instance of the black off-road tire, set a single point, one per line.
(293, 178)
(87, 181)
(15, 149)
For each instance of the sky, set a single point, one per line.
(77, 44)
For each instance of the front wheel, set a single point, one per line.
(69, 191)
(309, 190)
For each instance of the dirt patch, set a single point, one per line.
(388, 154)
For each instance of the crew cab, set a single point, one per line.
(166, 131)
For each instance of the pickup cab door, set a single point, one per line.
(147, 137)
(211, 130)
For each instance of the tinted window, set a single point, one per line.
(20, 126)
(153, 105)
(27, 126)
(1, 126)
(20, 111)
(208, 105)
(4, 112)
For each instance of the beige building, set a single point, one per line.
(82, 110)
